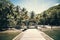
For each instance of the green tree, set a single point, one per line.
(32, 15)
(51, 16)
(4, 10)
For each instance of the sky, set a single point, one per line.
(37, 6)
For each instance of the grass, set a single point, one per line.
(54, 33)
(8, 35)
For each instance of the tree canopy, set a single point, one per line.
(13, 16)
(51, 16)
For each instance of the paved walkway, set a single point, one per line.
(32, 34)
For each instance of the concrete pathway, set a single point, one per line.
(32, 34)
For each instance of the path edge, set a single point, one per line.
(18, 36)
(45, 35)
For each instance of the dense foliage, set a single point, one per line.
(13, 16)
(51, 16)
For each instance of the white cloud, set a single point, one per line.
(56, 4)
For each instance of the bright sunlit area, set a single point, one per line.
(37, 6)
